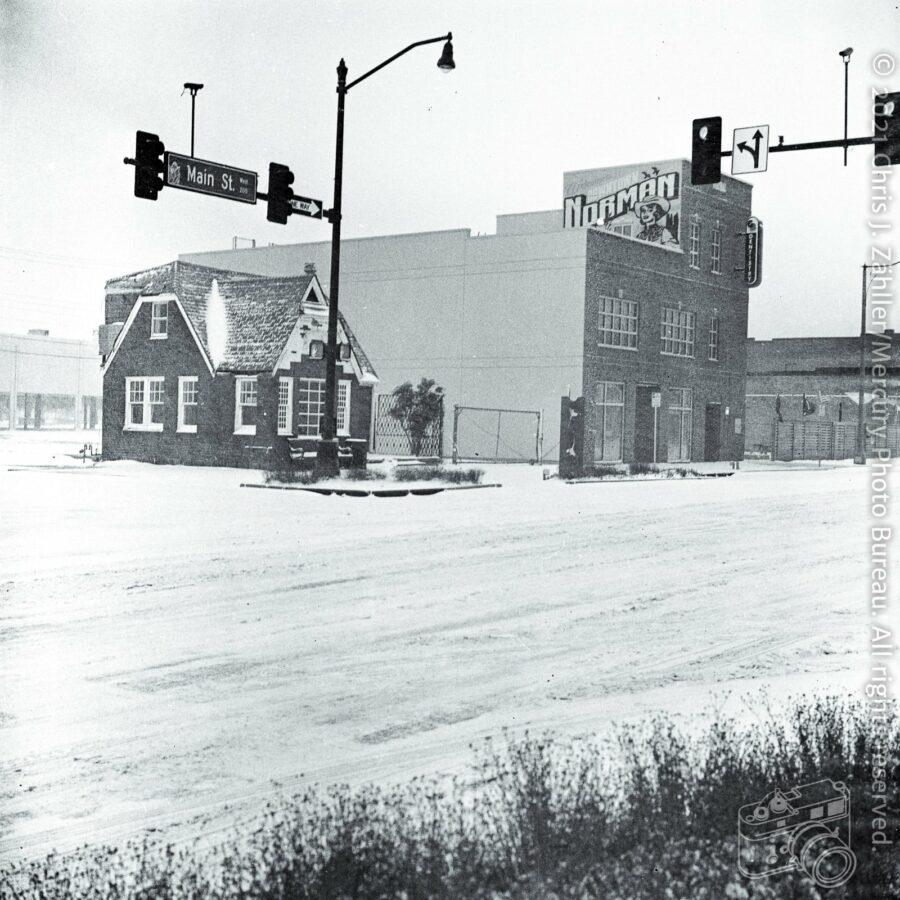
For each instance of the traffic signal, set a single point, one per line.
(280, 194)
(148, 165)
(706, 151)
(887, 129)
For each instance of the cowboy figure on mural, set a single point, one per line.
(651, 213)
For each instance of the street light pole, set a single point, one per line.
(845, 56)
(327, 448)
(860, 458)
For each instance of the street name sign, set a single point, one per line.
(750, 150)
(656, 400)
(191, 174)
(307, 207)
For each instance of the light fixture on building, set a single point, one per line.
(316, 349)
(343, 352)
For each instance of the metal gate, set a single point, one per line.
(828, 440)
(392, 435)
(492, 434)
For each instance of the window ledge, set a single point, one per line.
(186, 429)
(152, 427)
(616, 347)
(245, 429)
(158, 337)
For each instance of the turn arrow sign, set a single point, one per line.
(750, 150)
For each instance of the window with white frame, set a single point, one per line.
(159, 319)
(310, 406)
(343, 407)
(145, 406)
(680, 421)
(609, 409)
(618, 323)
(677, 332)
(716, 250)
(285, 405)
(245, 405)
(188, 395)
(695, 244)
(714, 338)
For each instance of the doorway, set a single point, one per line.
(712, 445)
(644, 421)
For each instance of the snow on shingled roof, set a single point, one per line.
(260, 310)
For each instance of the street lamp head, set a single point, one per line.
(846, 54)
(192, 86)
(445, 63)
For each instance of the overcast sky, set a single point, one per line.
(540, 88)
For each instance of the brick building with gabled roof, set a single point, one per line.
(208, 366)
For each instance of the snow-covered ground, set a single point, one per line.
(176, 649)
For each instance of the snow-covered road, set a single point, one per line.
(175, 650)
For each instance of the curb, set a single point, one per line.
(377, 492)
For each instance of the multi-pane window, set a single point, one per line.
(145, 408)
(677, 332)
(680, 420)
(245, 406)
(716, 251)
(285, 396)
(343, 407)
(618, 323)
(609, 409)
(159, 319)
(714, 338)
(695, 244)
(188, 395)
(310, 406)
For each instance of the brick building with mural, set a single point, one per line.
(665, 317)
(206, 366)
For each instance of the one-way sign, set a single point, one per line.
(750, 150)
(307, 207)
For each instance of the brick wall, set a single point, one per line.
(657, 278)
(214, 442)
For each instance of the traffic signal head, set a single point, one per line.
(280, 194)
(148, 165)
(706, 151)
(887, 129)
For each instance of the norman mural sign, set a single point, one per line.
(639, 203)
